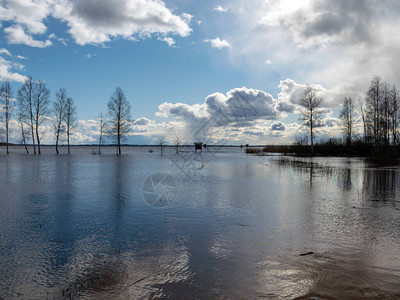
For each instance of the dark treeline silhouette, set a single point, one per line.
(378, 114)
(381, 114)
(33, 109)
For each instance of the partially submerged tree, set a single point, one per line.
(177, 142)
(8, 105)
(59, 112)
(161, 143)
(119, 111)
(102, 124)
(70, 119)
(26, 106)
(311, 114)
(347, 119)
(25, 130)
(41, 95)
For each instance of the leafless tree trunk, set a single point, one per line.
(373, 101)
(102, 123)
(22, 120)
(161, 144)
(363, 114)
(25, 99)
(311, 111)
(41, 107)
(8, 107)
(119, 111)
(177, 141)
(385, 114)
(24, 131)
(347, 119)
(70, 119)
(59, 106)
(394, 111)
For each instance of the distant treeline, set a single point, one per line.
(377, 113)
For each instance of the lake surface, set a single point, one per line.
(221, 225)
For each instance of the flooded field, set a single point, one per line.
(218, 225)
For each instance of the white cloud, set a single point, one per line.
(239, 107)
(94, 22)
(142, 121)
(91, 21)
(339, 44)
(63, 41)
(220, 9)
(169, 40)
(292, 92)
(89, 55)
(16, 35)
(5, 51)
(259, 117)
(7, 65)
(27, 13)
(187, 18)
(218, 43)
(322, 22)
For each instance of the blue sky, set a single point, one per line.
(169, 56)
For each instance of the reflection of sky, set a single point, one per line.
(79, 225)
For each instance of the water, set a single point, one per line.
(79, 227)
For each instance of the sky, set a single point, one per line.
(183, 62)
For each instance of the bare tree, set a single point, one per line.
(22, 120)
(26, 106)
(70, 119)
(385, 119)
(373, 103)
(394, 111)
(362, 111)
(311, 111)
(41, 96)
(161, 143)
(59, 112)
(347, 119)
(8, 104)
(119, 111)
(177, 141)
(102, 124)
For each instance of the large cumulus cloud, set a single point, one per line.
(91, 21)
(292, 92)
(237, 107)
(244, 115)
(339, 44)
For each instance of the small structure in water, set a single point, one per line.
(198, 146)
